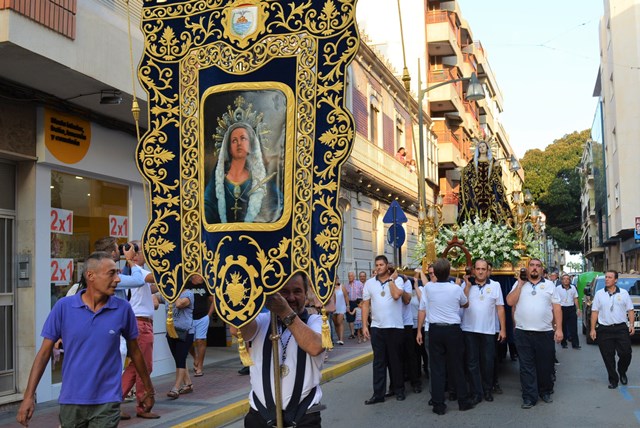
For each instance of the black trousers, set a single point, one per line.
(253, 419)
(535, 352)
(480, 356)
(446, 353)
(422, 357)
(612, 339)
(570, 326)
(387, 348)
(410, 366)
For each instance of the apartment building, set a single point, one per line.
(616, 88)
(593, 198)
(454, 54)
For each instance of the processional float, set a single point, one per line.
(277, 70)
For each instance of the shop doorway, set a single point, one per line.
(7, 280)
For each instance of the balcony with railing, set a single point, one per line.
(449, 147)
(446, 98)
(443, 33)
(379, 169)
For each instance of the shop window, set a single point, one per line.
(83, 210)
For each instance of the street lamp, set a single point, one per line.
(429, 228)
(514, 165)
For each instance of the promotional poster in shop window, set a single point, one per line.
(248, 129)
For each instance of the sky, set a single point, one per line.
(545, 57)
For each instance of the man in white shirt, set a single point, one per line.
(383, 297)
(537, 306)
(610, 309)
(444, 300)
(570, 312)
(301, 359)
(478, 326)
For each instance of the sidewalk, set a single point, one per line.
(219, 397)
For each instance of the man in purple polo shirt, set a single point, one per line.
(90, 324)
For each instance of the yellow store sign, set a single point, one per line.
(67, 137)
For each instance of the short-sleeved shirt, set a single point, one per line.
(534, 310)
(480, 316)
(354, 289)
(567, 297)
(141, 299)
(182, 318)
(313, 368)
(407, 316)
(201, 302)
(444, 300)
(386, 312)
(92, 366)
(423, 307)
(415, 305)
(612, 308)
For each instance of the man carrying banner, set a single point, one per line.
(300, 350)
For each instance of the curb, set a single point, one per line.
(235, 411)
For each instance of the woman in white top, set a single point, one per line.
(342, 303)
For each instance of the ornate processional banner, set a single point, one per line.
(248, 129)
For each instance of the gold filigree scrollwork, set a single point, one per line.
(272, 271)
(329, 238)
(204, 30)
(181, 9)
(158, 86)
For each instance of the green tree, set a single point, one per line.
(551, 176)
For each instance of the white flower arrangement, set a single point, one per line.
(484, 239)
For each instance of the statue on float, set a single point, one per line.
(482, 193)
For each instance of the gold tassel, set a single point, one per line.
(327, 343)
(171, 329)
(245, 358)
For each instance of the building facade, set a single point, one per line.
(373, 177)
(619, 102)
(593, 198)
(66, 164)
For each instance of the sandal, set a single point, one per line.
(186, 389)
(198, 373)
(173, 394)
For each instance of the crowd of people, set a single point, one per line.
(449, 328)
(458, 324)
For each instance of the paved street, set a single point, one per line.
(581, 399)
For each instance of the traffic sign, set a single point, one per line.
(396, 233)
(394, 214)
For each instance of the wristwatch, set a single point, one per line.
(288, 320)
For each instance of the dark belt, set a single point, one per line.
(442, 324)
(146, 319)
(613, 325)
